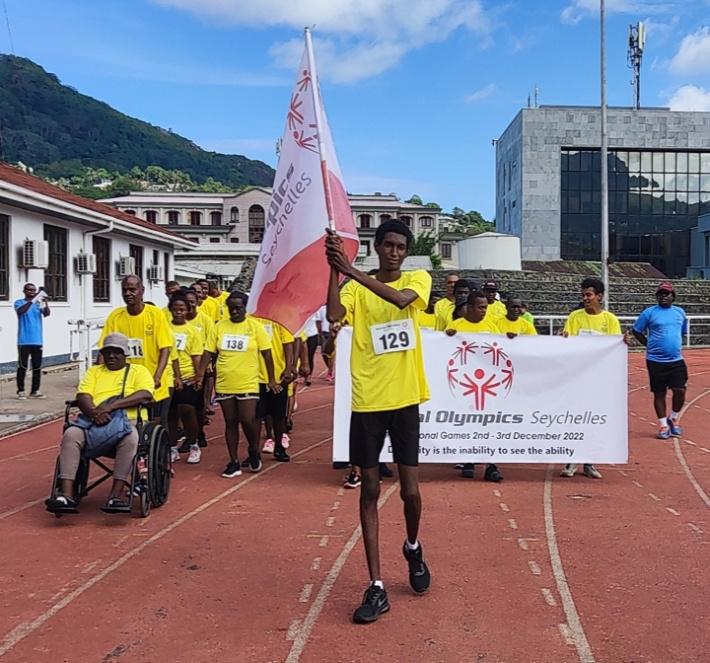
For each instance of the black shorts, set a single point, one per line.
(667, 375)
(271, 404)
(367, 436)
(188, 396)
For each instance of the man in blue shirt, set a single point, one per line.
(666, 325)
(30, 312)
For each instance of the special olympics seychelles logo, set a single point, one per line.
(479, 371)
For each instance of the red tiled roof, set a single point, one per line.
(18, 177)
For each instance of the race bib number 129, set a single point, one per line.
(395, 336)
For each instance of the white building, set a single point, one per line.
(78, 250)
(230, 227)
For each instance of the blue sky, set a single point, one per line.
(415, 90)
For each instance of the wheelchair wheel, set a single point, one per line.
(159, 469)
(145, 503)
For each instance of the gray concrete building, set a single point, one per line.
(548, 183)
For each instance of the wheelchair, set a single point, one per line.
(151, 474)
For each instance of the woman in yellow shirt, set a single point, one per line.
(186, 399)
(237, 344)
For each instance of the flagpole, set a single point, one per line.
(321, 148)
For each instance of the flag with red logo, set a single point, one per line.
(291, 279)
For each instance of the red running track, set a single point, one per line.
(269, 567)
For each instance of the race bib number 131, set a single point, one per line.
(395, 336)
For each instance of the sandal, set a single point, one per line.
(116, 505)
(61, 504)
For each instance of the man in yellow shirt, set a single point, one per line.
(388, 384)
(450, 299)
(462, 289)
(149, 340)
(496, 308)
(212, 291)
(171, 287)
(110, 386)
(591, 320)
(513, 323)
(427, 317)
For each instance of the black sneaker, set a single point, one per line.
(233, 469)
(493, 474)
(374, 604)
(385, 472)
(467, 471)
(254, 461)
(184, 448)
(289, 425)
(201, 439)
(419, 576)
(281, 455)
(340, 465)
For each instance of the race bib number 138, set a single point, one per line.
(235, 342)
(395, 336)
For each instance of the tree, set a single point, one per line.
(424, 245)
(414, 200)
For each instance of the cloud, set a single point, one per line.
(481, 94)
(693, 56)
(580, 9)
(355, 39)
(690, 98)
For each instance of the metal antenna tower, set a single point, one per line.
(637, 39)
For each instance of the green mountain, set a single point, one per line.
(59, 132)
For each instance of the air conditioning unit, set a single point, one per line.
(126, 266)
(35, 254)
(156, 273)
(85, 263)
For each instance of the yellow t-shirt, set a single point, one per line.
(210, 307)
(520, 326)
(147, 333)
(486, 326)
(279, 336)
(387, 364)
(427, 319)
(166, 312)
(444, 314)
(101, 383)
(188, 343)
(580, 323)
(203, 324)
(238, 346)
(496, 310)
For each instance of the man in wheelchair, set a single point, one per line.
(117, 387)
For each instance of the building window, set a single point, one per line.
(4, 257)
(234, 215)
(173, 218)
(446, 250)
(214, 240)
(55, 276)
(216, 218)
(384, 217)
(136, 252)
(426, 222)
(151, 216)
(407, 220)
(195, 218)
(366, 248)
(365, 220)
(132, 212)
(102, 278)
(256, 224)
(234, 240)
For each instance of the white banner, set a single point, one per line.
(530, 399)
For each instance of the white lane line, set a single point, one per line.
(655, 498)
(293, 630)
(534, 568)
(643, 418)
(497, 493)
(306, 593)
(673, 511)
(567, 635)
(523, 544)
(315, 564)
(335, 507)
(695, 528)
(30, 453)
(622, 473)
(310, 409)
(692, 444)
(636, 483)
(633, 414)
(504, 507)
(17, 509)
(651, 423)
(304, 632)
(512, 523)
(707, 451)
(341, 491)
(323, 541)
(330, 521)
(693, 482)
(577, 636)
(548, 596)
(21, 631)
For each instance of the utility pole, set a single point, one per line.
(604, 163)
(637, 39)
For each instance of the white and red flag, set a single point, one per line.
(291, 279)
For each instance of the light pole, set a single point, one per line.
(604, 164)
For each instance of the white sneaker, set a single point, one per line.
(21, 395)
(285, 441)
(268, 447)
(569, 470)
(37, 394)
(195, 454)
(592, 472)
(174, 454)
